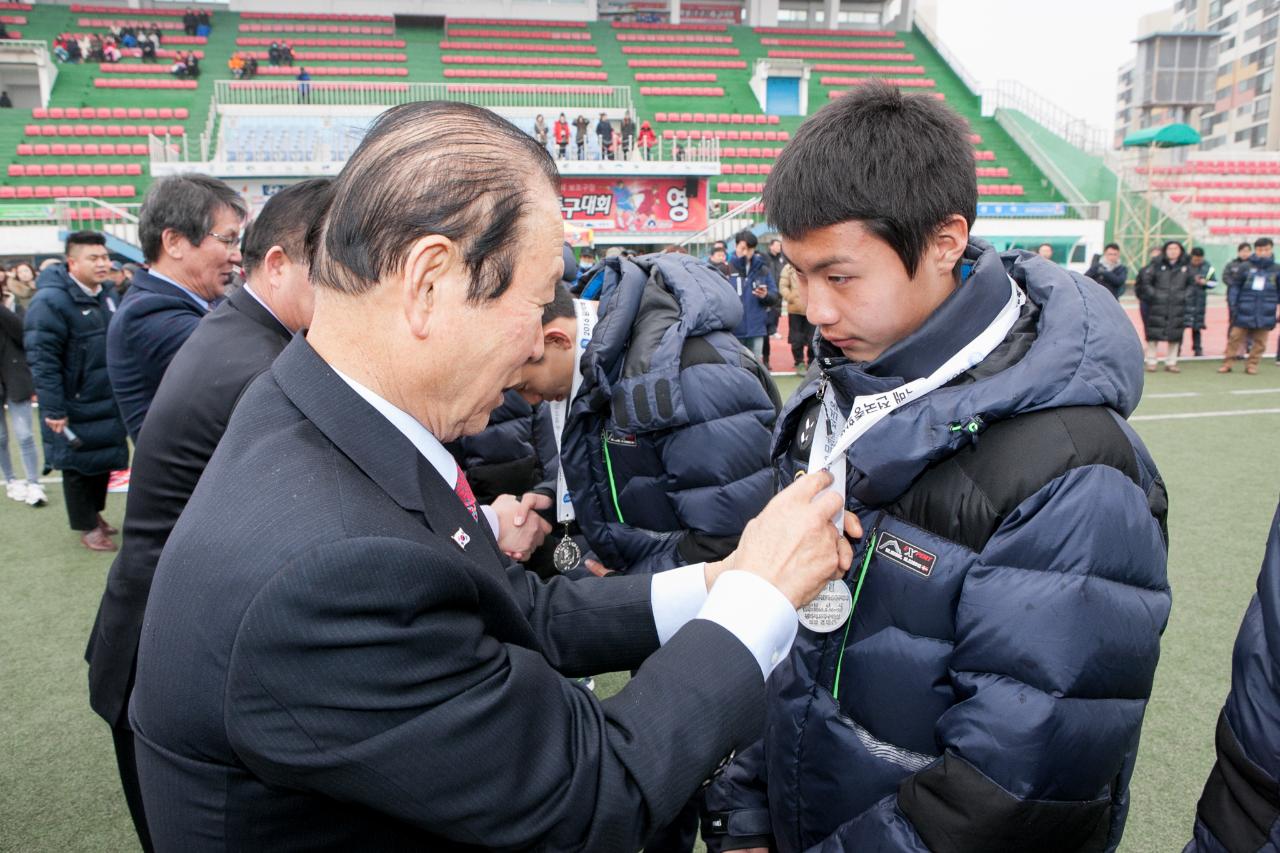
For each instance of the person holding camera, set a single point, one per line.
(757, 290)
(16, 391)
(65, 336)
(1107, 270)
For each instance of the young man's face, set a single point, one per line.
(743, 250)
(1243, 253)
(1263, 251)
(89, 264)
(1111, 256)
(718, 256)
(1045, 252)
(551, 377)
(859, 294)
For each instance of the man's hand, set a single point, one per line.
(56, 424)
(8, 299)
(520, 529)
(792, 543)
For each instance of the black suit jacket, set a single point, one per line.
(228, 350)
(335, 656)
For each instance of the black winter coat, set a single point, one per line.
(65, 336)
(1162, 291)
(1198, 294)
(16, 385)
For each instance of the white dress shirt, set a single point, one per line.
(746, 605)
(200, 300)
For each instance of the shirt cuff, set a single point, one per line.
(677, 595)
(754, 611)
(491, 516)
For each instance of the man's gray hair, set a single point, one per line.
(186, 203)
(432, 167)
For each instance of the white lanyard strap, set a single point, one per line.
(584, 313)
(830, 445)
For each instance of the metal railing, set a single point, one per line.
(91, 214)
(347, 93)
(1013, 95)
(33, 45)
(1045, 163)
(740, 215)
(970, 82)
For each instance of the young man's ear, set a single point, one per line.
(949, 243)
(553, 337)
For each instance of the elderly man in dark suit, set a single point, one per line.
(228, 350)
(338, 657)
(189, 228)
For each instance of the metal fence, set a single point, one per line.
(346, 93)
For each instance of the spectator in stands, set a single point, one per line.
(16, 390)
(95, 53)
(1203, 279)
(204, 21)
(179, 67)
(581, 125)
(60, 48)
(251, 67)
(286, 54)
(1107, 270)
(628, 132)
(4, 30)
(756, 289)
(236, 65)
(1162, 288)
(604, 136)
(154, 38)
(85, 46)
(111, 52)
(304, 86)
(1045, 251)
(677, 152)
(273, 53)
(540, 130)
(561, 131)
(74, 53)
(647, 139)
(189, 22)
(148, 51)
(193, 64)
(799, 329)
(1253, 299)
(65, 341)
(127, 37)
(189, 228)
(5, 103)
(233, 346)
(938, 710)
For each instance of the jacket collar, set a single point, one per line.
(58, 276)
(145, 281)
(373, 444)
(243, 301)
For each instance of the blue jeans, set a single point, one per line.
(756, 345)
(21, 415)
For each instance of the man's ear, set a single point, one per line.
(949, 243)
(173, 244)
(428, 276)
(276, 264)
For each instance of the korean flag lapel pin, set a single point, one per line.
(461, 538)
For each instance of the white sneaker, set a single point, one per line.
(35, 495)
(16, 490)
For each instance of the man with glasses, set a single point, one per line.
(189, 228)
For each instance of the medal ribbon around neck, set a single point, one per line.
(830, 444)
(585, 323)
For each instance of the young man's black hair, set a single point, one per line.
(1197, 252)
(1262, 241)
(1244, 247)
(1115, 246)
(561, 305)
(85, 238)
(746, 237)
(848, 162)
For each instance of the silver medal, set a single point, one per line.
(829, 610)
(566, 555)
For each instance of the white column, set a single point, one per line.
(833, 14)
(674, 6)
(762, 13)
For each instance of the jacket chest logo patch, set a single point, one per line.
(905, 554)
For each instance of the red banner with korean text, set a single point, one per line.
(636, 205)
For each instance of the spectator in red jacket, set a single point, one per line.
(561, 131)
(647, 139)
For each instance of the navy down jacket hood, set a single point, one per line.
(665, 448)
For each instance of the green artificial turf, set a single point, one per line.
(58, 772)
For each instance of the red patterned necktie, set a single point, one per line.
(463, 490)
